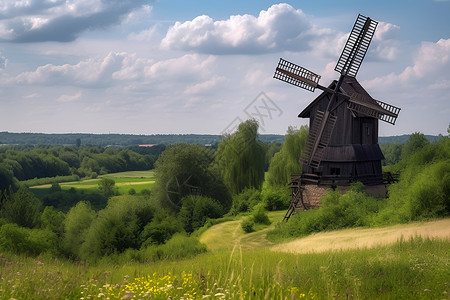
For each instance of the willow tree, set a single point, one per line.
(241, 158)
(287, 160)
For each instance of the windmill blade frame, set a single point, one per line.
(356, 46)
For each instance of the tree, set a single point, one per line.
(415, 142)
(107, 187)
(77, 222)
(22, 208)
(287, 160)
(7, 179)
(186, 169)
(241, 158)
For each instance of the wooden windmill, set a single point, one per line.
(342, 146)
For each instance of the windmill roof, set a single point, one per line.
(349, 87)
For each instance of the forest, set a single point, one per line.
(195, 188)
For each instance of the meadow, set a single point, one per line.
(245, 266)
(124, 181)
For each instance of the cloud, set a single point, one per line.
(62, 21)
(429, 70)
(69, 98)
(279, 28)
(3, 62)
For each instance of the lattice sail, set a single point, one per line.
(312, 156)
(356, 47)
(373, 108)
(296, 75)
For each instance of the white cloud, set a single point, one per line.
(279, 28)
(3, 62)
(69, 98)
(431, 65)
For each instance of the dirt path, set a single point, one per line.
(365, 237)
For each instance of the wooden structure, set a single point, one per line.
(342, 145)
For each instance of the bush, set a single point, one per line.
(178, 247)
(117, 227)
(259, 215)
(196, 210)
(247, 225)
(276, 197)
(245, 201)
(22, 240)
(22, 208)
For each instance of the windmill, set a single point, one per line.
(344, 102)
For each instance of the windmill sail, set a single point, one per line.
(356, 47)
(319, 138)
(373, 108)
(296, 75)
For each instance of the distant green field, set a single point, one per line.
(138, 180)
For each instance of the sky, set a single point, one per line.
(204, 66)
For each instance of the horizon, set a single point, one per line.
(175, 67)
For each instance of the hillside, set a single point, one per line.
(228, 234)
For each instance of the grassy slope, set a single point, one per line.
(227, 235)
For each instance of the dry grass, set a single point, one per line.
(360, 238)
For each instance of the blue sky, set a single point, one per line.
(149, 67)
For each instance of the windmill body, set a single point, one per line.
(353, 153)
(342, 145)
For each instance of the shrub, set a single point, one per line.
(245, 201)
(259, 215)
(117, 227)
(16, 239)
(247, 225)
(22, 208)
(178, 247)
(196, 210)
(276, 197)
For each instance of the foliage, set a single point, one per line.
(50, 180)
(16, 239)
(162, 227)
(53, 220)
(245, 200)
(78, 221)
(117, 227)
(241, 158)
(184, 169)
(107, 187)
(287, 161)
(392, 153)
(259, 215)
(276, 197)
(7, 179)
(415, 142)
(22, 208)
(196, 210)
(247, 225)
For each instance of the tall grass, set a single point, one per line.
(412, 269)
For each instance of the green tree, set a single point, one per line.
(7, 179)
(107, 187)
(22, 208)
(287, 160)
(241, 158)
(415, 142)
(77, 222)
(186, 169)
(117, 227)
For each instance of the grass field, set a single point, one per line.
(416, 268)
(138, 180)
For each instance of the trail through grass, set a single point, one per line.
(226, 235)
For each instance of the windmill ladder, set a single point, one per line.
(297, 188)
